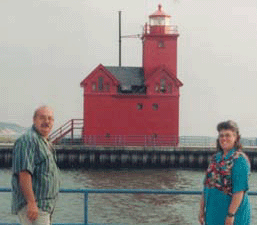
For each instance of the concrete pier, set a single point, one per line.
(87, 157)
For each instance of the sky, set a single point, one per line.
(47, 47)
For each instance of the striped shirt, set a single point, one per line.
(33, 153)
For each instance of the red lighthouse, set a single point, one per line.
(134, 105)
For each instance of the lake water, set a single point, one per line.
(126, 208)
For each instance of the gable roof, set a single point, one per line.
(169, 73)
(128, 76)
(100, 67)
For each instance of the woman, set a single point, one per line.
(225, 200)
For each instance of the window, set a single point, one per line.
(100, 83)
(139, 106)
(163, 86)
(157, 21)
(161, 44)
(155, 106)
(94, 87)
(107, 87)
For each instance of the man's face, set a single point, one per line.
(44, 121)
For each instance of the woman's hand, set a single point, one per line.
(201, 217)
(229, 220)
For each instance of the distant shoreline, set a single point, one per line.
(6, 139)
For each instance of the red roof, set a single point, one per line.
(159, 12)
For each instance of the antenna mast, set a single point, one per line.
(119, 38)
(126, 36)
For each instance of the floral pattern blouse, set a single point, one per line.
(218, 174)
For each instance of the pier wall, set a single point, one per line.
(130, 157)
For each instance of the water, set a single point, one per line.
(126, 208)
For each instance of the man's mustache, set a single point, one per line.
(45, 125)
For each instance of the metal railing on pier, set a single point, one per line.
(147, 140)
(86, 193)
(117, 141)
(131, 140)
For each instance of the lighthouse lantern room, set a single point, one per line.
(159, 21)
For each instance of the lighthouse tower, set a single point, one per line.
(159, 43)
(160, 66)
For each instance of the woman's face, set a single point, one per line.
(227, 139)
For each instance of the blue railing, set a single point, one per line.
(86, 192)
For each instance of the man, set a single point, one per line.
(35, 179)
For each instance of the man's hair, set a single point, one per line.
(39, 108)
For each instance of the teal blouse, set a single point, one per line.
(217, 202)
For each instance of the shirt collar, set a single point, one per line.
(39, 135)
(229, 154)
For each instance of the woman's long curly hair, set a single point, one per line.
(229, 125)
